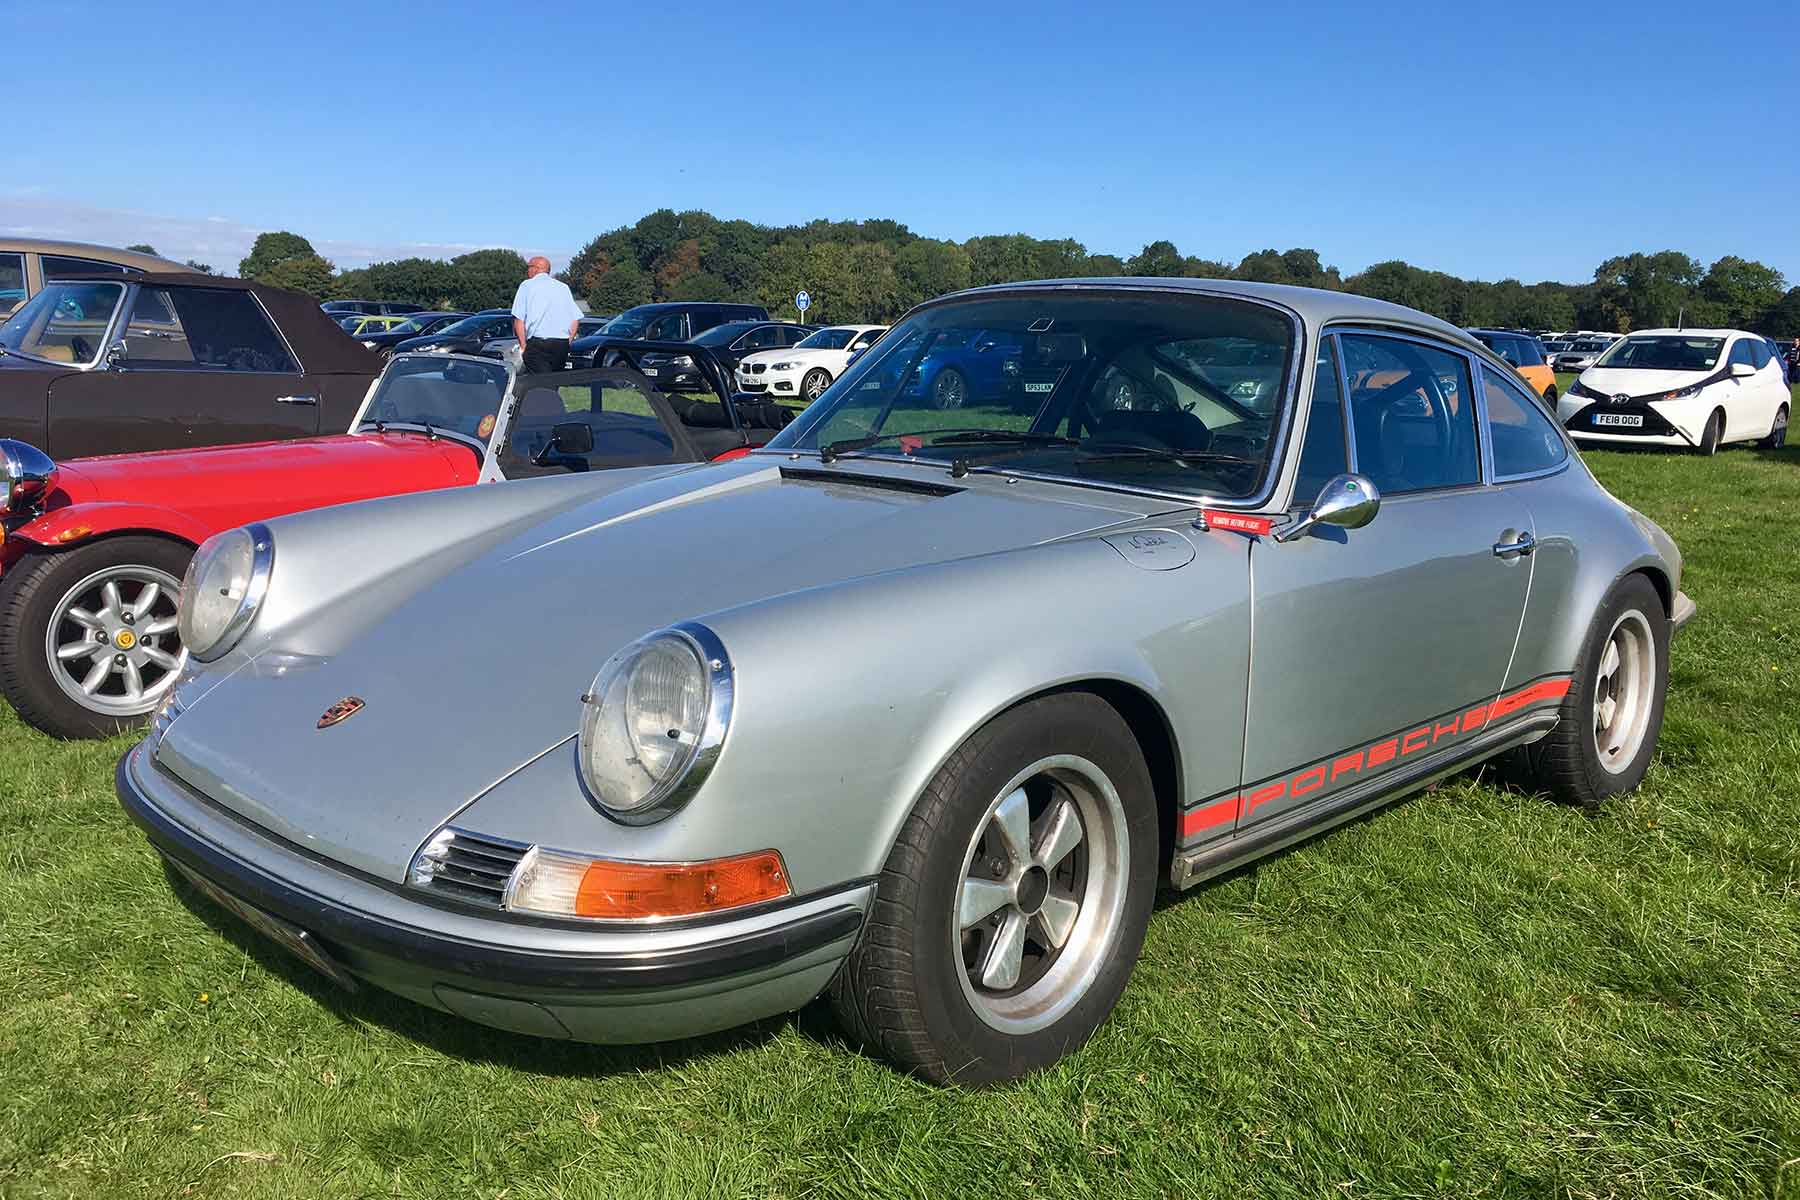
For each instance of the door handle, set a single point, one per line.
(1524, 545)
(296, 399)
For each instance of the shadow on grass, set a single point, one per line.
(459, 1038)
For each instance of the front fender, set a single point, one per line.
(849, 698)
(82, 522)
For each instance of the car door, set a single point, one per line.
(1371, 646)
(195, 367)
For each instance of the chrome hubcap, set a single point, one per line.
(1624, 688)
(1042, 894)
(112, 643)
(949, 389)
(815, 386)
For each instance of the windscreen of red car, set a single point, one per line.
(448, 394)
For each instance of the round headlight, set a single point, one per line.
(224, 587)
(27, 476)
(653, 722)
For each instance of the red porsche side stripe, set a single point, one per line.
(1316, 776)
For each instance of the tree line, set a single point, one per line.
(875, 270)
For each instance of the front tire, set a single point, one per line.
(1713, 434)
(88, 642)
(815, 383)
(1778, 432)
(1612, 715)
(1011, 911)
(950, 389)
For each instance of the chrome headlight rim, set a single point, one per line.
(262, 564)
(672, 794)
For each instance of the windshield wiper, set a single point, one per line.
(1108, 451)
(945, 437)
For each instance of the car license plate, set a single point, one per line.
(649, 370)
(1627, 420)
(289, 937)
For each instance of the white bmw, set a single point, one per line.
(1680, 387)
(806, 368)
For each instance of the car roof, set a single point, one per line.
(93, 250)
(1314, 306)
(1691, 332)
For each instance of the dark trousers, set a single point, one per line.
(545, 354)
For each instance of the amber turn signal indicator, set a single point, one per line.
(624, 890)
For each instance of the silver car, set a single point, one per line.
(915, 707)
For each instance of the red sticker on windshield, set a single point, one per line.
(486, 427)
(910, 445)
(1237, 522)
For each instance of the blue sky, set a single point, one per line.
(1526, 141)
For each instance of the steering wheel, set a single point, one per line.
(1389, 398)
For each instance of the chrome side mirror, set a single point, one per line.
(1346, 501)
(115, 355)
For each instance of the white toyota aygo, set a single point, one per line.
(1701, 388)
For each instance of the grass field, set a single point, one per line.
(1475, 993)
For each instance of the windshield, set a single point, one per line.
(1161, 392)
(446, 393)
(629, 323)
(826, 339)
(1664, 352)
(413, 325)
(66, 322)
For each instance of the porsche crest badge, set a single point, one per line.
(343, 710)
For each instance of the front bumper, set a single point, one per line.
(779, 383)
(1685, 608)
(552, 978)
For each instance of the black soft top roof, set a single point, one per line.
(320, 343)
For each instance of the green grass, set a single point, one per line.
(1475, 993)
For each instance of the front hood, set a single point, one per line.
(480, 669)
(1611, 381)
(292, 475)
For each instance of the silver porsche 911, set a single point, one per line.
(1062, 590)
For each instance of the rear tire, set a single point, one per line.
(1714, 433)
(1550, 394)
(1609, 721)
(1011, 910)
(1778, 432)
(39, 593)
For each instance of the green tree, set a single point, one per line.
(306, 273)
(1159, 258)
(619, 288)
(485, 279)
(143, 248)
(1738, 291)
(272, 249)
(200, 267)
(1642, 291)
(698, 285)
(1783, 318)
(926, 267)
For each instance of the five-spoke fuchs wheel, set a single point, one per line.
(1011, 911)
(88, 641)
(1612, 715)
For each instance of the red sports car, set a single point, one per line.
(93, 550)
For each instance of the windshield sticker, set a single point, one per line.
(486, 427)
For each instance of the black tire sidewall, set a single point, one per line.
(28, 592)
(938, 399)
(1713, 434)
(1634, 592)
(816, 371)
(973, 1051)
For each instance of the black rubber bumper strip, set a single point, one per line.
(480, 964)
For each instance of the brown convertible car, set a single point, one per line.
(102, 364)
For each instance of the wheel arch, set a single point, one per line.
(82, 524)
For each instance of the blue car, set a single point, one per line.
(975, 368)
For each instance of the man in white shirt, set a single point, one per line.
(545, 317)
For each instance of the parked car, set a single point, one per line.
(1702, 388)
(915, 707)
(372, 307)
(1581, 354)
(673, 321)
(94, 549)
(417, 325)
(807, 369)
(467, 336)
(158, 361)
(360, 327)
(1524, 354)
(730, 341)
(26, 263)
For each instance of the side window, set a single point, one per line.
(865, 340)
(1525, 440)
(153, 334)
(1740, 352)
(1759, 351)
(701, 319)
(666, 328)
(55, 266)
(1323, 455)
(205, 328)
(615, 405)
(1412, 414)
(1530, 353)
(1507, 348)
(766, 338)
(12, 282)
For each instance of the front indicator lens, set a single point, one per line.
(563, 884)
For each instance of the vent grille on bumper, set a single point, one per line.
(471, 867)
